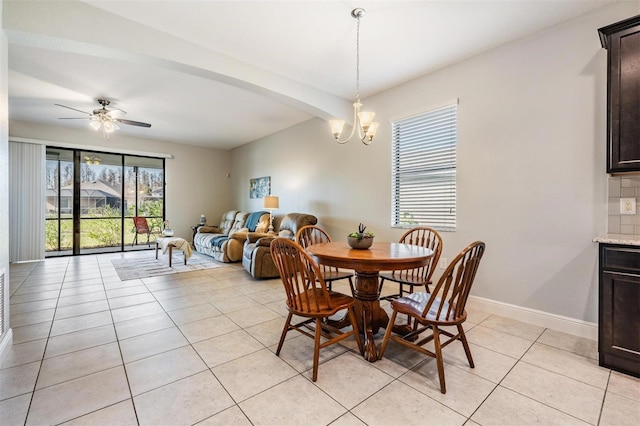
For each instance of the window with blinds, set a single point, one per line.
(424, 170)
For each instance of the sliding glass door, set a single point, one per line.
(144, 196)
(59, 203)
(100, 200)
(92, 198)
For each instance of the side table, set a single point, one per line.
(195, 231)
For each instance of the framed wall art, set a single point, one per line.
(260, 187)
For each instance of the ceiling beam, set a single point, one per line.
(77, 27)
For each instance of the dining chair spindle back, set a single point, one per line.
(311, 234)
(443, 306)
(417, 277)
(308, 297)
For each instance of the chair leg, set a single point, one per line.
(379, 287)
(354, 324)
(409, 320)
(467, 349)
(352, 288)
(401, 294)
(135, 239)
(316, 348)
(387, 334)
(284, 333)
(439, 360)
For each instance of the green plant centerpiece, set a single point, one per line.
(362, 239)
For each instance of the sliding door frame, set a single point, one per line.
(77, 206)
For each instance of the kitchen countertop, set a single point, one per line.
(632, 240)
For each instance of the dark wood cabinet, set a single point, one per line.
(619, 308)
(622, 41)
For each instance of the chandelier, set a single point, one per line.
(362, 120)
(104, 122)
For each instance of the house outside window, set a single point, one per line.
(424, 170)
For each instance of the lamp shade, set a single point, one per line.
(271, 202)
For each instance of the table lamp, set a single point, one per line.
(271, 203)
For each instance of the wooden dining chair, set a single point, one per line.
(443, 306)
(311, 234)
(416, 277)
(309, 298)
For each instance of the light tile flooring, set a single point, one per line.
(198, 348)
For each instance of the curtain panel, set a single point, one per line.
(26, 201)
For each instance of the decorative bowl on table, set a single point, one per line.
(362, 239)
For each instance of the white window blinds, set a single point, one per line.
(27, 201)
(424, 170)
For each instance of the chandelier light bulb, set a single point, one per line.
(366, 119)
(336, 127)
(95, 125)
(108, 126)
(371, 131)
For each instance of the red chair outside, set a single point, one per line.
(142, 228)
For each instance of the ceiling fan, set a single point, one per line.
(104, 118)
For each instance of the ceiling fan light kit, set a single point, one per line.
(362, 120)
(101, 118)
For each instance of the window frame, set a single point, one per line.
(424, 178)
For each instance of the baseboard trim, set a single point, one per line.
(5, 344)
(535, 317)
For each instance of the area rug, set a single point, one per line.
(144, 264)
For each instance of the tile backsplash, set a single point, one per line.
(623, 187)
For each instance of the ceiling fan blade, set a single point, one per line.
(64, 106)
(116, 110)
(132, 123)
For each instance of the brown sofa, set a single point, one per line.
(225, 242)
(256, 256)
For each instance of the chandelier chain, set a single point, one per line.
(358, 59)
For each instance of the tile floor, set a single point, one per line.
(198, 348)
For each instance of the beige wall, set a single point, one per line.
(196, 177)
(531, 165)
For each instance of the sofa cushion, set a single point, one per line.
(238, 222)
(227, 221)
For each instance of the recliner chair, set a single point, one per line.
(256, 256)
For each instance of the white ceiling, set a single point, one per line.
(225, 73)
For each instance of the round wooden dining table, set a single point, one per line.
(367, 265)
